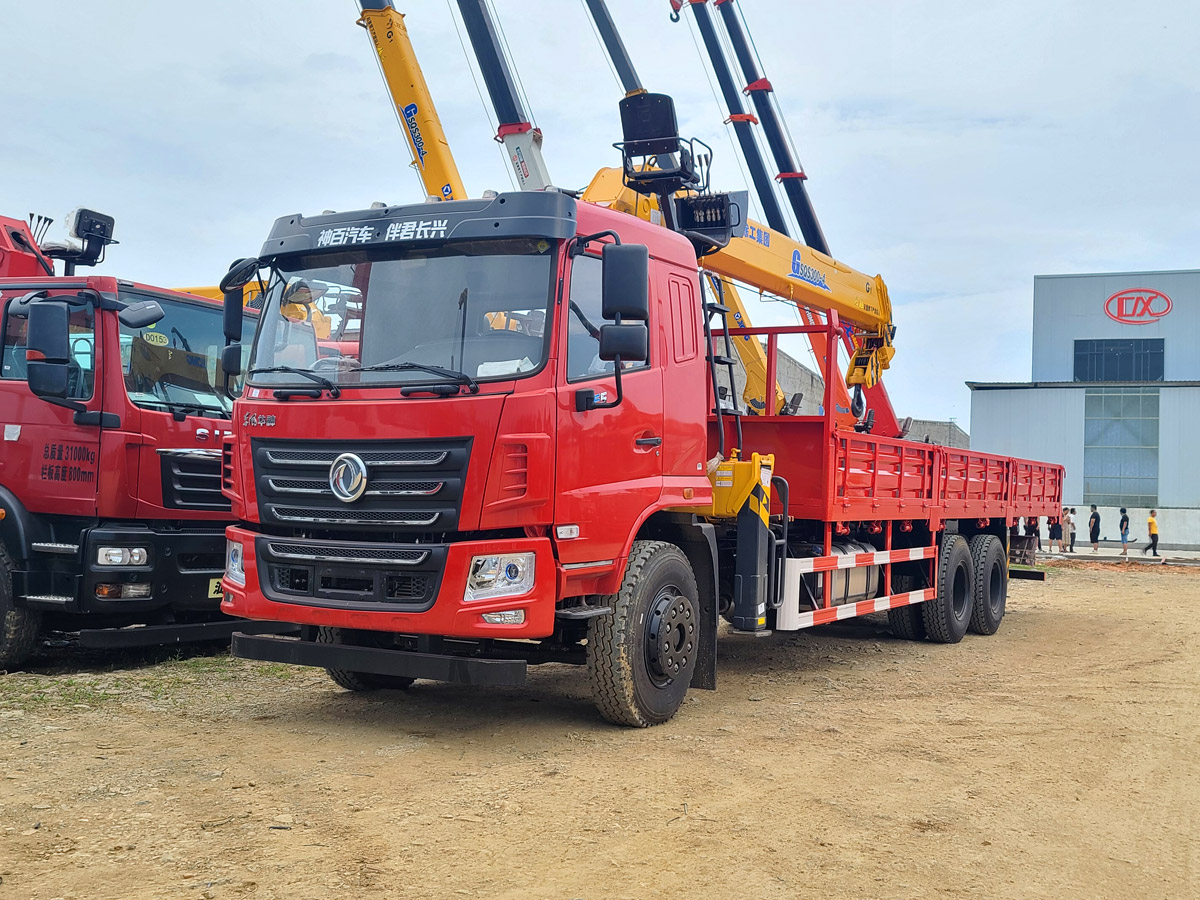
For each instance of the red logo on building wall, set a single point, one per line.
(1137, 306)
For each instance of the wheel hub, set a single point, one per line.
(670, 636)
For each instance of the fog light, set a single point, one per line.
(500, 576)
(508, 617)
(127, 591)
(122, 556)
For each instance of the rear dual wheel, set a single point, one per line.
(991, 583)
(947, 616)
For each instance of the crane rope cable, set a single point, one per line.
(728, 126)
(487, 114)
(603, 50)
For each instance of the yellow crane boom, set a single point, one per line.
(413, 102)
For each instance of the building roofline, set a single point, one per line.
(1066, 385)
(1121, 274)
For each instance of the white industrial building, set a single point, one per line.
(1115, 397)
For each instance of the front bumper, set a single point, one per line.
(381, 661)
(353, 572)
(183, 571)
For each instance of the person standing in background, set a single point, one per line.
(1152, 530)
(1056, 532)
(1071, 525)
(1094, 529)
(1124, 533)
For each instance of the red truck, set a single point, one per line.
(457, 499)
(111, 512)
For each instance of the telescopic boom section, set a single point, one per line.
(611, 38)
(759, 89)
(521, 140)
(413, 101)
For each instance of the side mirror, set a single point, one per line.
(232, 285)
(626, 282)
(141, 314)
(48, 349)
(630, 343)
(231, 360)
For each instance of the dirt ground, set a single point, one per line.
(1058, 759)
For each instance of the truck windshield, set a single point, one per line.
(175, 364)
(466, 311)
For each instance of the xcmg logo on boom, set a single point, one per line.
(1137, 306)
(805, 272)
(410, 119)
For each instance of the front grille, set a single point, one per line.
(191, 479)
(350, 575)
(411, 485)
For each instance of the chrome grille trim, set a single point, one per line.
(383, 459)
(322, 488)
(338, 554)
(331, 517)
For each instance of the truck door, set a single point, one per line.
(609, 461)
(47, 460)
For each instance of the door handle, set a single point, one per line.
(648, 441)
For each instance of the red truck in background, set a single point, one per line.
(456, 500)
(112, 416)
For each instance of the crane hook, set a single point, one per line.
(858, 404)
(675, 16)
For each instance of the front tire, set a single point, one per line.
(641, 657)
(947, 616)
(359, 681)
(991, 583)
(19, 628)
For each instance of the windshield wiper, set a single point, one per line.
(460, 377)
(177, 406)
(334, 390)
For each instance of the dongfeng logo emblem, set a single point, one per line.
(348, 477)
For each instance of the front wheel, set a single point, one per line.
(641, 657)
(359, 681)
(18, 627)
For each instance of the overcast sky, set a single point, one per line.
(957, 148)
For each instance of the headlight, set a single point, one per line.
(122, 556)
(499, 576)
(234, 563)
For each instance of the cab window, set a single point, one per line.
(584, 320)
(82, 343)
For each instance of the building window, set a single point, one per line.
(1120, 446)
(1114, 360)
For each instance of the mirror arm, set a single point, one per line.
(578, 245)
(74, 405)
